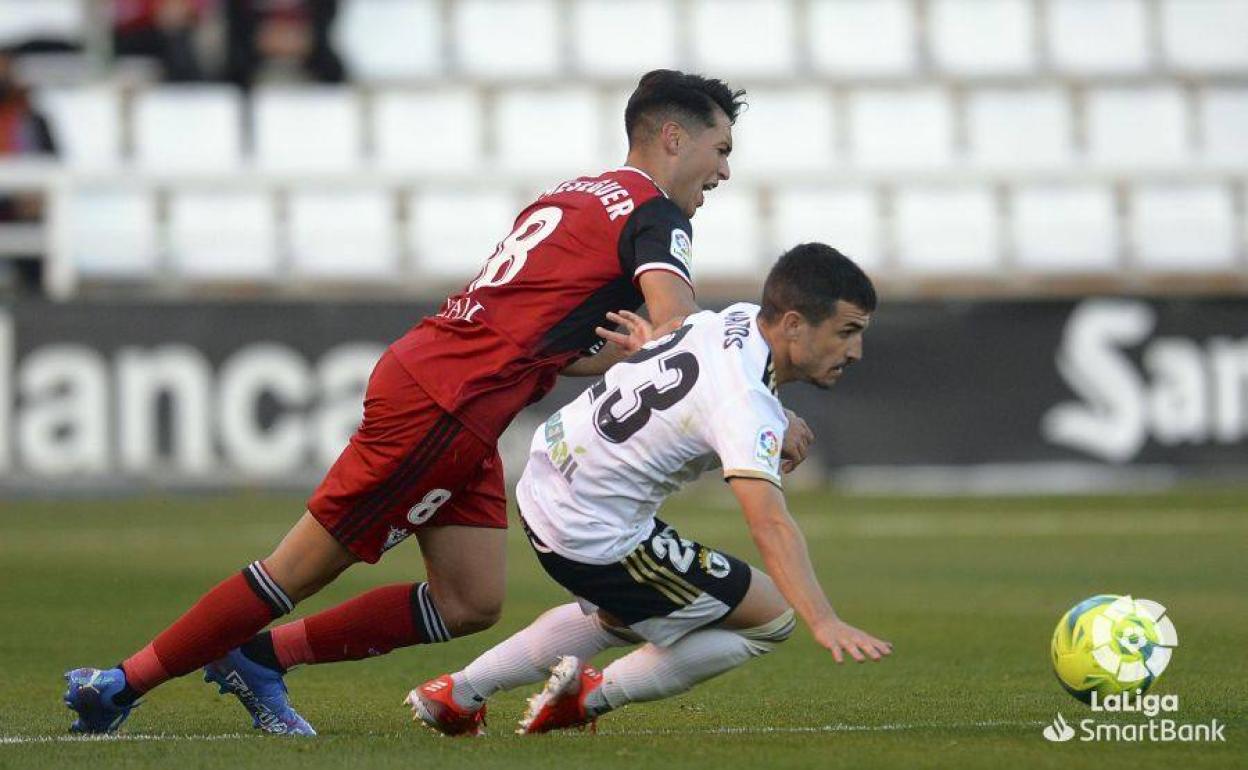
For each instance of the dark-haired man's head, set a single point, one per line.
(680, 132)
(816, 305)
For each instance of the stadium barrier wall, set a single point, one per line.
(1050, 393)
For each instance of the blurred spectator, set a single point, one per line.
(283, 32)
(163, 30)
(23, 131)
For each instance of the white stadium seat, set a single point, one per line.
(188, 128)
(1137, 126)
(548, 131)
(86, 125)
(1205, 35)
(735, 38)
(974, 37)
(343, 234)
(512, 39)
(22, 20)
(113, 233)
(1064, 228)
(612, 116)
(862, 37)
(428, 130)
(950, 229)
(1019, 127)
(451, 233)
(1224, 116)
(1098, 36)
(223, 235)
(784, 131)
(847, 219)
(390, 39)
(900, 127)
(611, 39)
(306, 129)
(1183, 228)
(727, 237)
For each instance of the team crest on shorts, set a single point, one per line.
(714, 563)
(767, 447)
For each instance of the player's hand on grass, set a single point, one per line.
(634, 331)
(843, 639)
(797, 440)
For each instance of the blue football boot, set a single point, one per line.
(261, 691)
(90, 695)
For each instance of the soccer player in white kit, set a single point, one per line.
(701, 397)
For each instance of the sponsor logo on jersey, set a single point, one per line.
(682, 248)
(767, 447)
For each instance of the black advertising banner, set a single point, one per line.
(268, 392)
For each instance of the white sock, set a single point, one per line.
(527, 656)
(652, 672)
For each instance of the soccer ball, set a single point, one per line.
(1111, 644)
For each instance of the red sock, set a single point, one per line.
(225, 617)
(372, 623)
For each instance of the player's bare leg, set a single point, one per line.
(306, 560)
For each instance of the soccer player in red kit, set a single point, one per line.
(424, 461)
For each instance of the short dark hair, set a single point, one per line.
(668, 94)
(810, 278)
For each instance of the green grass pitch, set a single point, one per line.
(967, 589)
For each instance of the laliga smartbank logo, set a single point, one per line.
(1108, 651)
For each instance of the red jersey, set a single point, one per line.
(574, 255)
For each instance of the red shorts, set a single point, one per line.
(410, 464)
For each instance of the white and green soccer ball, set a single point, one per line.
(1111, 644)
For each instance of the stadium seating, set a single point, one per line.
(113, 233)
(282, 127)
(366, 35)
(1019, 128)
(1065, 229)
(946, 229)
(971, 37)
(1098, 37)
(1189, 228)
(407, 135)
(202, 249)
(857, 38)
(188, 129)
(1056, 136)
(342, 234)
(600, 51)
(451, 233)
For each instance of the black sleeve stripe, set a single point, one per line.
(649, 237)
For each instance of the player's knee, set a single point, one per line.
(468, 615)
(763, 639)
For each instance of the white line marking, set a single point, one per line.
(10, 740)
(837, 728)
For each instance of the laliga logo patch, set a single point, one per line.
(767, 447)
(1113, 633)
(682, 248)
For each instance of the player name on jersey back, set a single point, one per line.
(614, 196)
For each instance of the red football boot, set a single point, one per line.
(432, 704)
(561, 703)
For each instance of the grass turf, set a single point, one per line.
(967, 589)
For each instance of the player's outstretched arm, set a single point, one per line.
(787, 560)
(669, 297)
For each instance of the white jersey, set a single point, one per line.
(699, 398)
